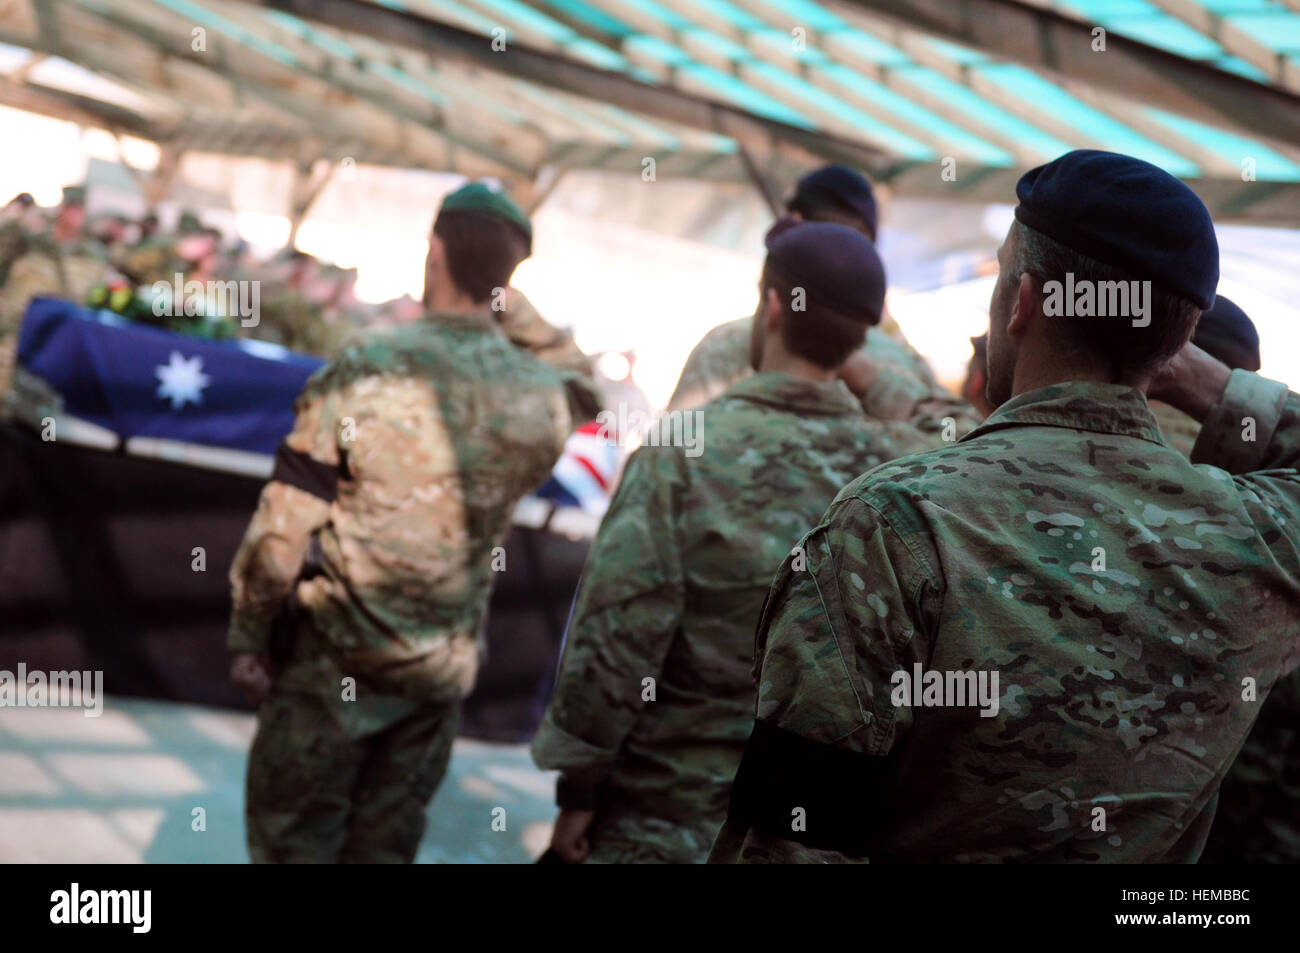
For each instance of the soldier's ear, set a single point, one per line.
(437, 251)
(775, 309)
(1024, 308)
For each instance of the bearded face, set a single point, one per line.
(758, 331)
(1001, 350)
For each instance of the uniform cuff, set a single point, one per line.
(1238, 431)
(245, 636)
(555, 749)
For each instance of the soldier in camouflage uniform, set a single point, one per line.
(654, 698)
(1226, 333)
(380, 525)
(1136, 608)
(830, 194)
(62, 263)
(1258, 820)
(525, 327)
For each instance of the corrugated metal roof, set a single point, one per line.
(882, 81)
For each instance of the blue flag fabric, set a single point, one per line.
(140, 381)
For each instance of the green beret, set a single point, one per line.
(74, 195)
(481, 198)
(189, 223)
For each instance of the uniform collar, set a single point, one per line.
(826, 398)
(463, 321)
(1078, 405)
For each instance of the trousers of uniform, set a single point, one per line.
(332, 780)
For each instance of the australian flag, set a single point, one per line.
(139, 381)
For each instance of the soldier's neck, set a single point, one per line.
(449, 299)
(1035, 371)
(777, 360)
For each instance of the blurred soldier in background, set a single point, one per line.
(1032, 645)
(17, 220)
(525, 327)
(906, 384)
(148, 227)
(655, 698)
(1258, 820)
(381, 528)
(112, 231)
(1226, 333)
(293, 305)
(63, 262)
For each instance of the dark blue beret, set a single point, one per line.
(838, 185)
(837, 267)
(1228, 333)
(1128, 214)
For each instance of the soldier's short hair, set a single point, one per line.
(819, 334)
(482, 251)
(1111, 340)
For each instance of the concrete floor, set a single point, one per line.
(123, 788)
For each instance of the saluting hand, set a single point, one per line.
(1192, 381)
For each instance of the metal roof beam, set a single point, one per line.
(73, 107)
(1230, 200)
(429, 120)
(829, 41)
(552, 70)
(1047, 40)
(1235, 41)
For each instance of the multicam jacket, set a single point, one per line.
(407, 458)
(654, 698)
(905, 387)
(526, 328)
(1136, 608)
(38, 265)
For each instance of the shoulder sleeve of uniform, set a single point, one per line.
(846, 606)
(853, 604)
(719, 359)
(526, 328)
(628, 609)
(294, 503)
(1254, 433)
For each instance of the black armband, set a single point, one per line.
(813, 794)
(574, 795)
(300, 470)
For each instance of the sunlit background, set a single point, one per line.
(628, 265)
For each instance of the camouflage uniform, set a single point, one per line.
(905, 388)
(525, 327)
(288, 317)
(1179, 430)
(42, 268)
(13, 242)
(1258, 821)
(671, 591)
(1258, 818)
(399, 479)
(1121, 685)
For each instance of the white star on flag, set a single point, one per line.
(182, 380)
